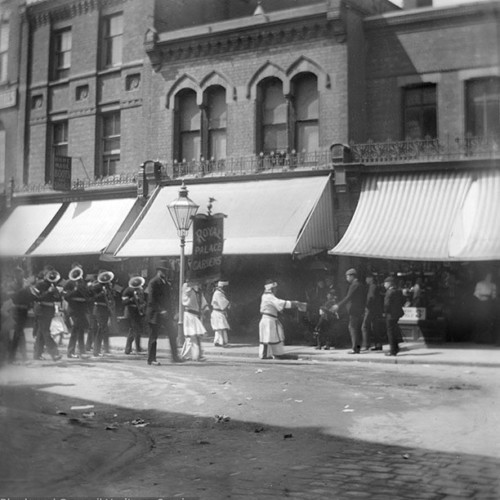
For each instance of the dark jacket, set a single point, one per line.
(77, 296)
(393, 303)
(374, 299)
(354, 301)
(158, 300)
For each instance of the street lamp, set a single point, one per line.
(182, 210)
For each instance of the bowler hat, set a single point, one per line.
(389, 279)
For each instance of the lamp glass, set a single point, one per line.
(182, 211)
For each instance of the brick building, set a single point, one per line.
(333, 94)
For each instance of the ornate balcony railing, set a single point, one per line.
(255, 164)
(82, 184)
(370, 153)
(426, 150)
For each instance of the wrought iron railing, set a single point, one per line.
(426, 150)
(369, 153)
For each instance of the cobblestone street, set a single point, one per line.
(243, 428)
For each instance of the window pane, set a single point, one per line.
(306, 98)
(307, 137)
(420, 116)
(189, 112)
(116, 51)
(217, 144)
(429, 123)
(274, 103)
(275, 138)
(216, 108)
(4, 36)
(190, 146)
(483, 105)
(115, 25)
(3, 67)
(413, 130)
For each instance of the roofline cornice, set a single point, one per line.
(420, 16)
(44, 13)
(248, 33)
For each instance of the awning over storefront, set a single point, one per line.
(287, 216)
(86, 227)
(24, 226)
(428, 216)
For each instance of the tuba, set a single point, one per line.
(52, 276)
(137, 282)
(76, 274)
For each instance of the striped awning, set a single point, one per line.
(287, 216)
(426, 216)
(86, 227)
(24, 226)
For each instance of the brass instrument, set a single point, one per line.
(137, 282)
(76, 274)
(52, 277)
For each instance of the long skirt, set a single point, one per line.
(271, 337)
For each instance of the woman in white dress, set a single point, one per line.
(195, 305)
(271, 333)
(218, 319)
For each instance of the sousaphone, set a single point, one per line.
(52, 276)
(75, 274)
(105, 277)
(136, 282)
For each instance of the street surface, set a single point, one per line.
(240, 427)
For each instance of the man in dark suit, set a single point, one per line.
(354, 303)
(157, 315)
(393, 310)
(373, 314)
(77, 296)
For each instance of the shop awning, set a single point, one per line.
(86, 227)
(428, 216)
(287, 216)
(24, 226)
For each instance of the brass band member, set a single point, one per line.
(135, 308)
(22, 301)
(47, 294)
(103, 308)
(77, 296)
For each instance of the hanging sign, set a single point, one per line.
(62, 173)
(208, 244)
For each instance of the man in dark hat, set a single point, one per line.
(135, 308)
(370, 328)
(158, 313)
(393, 310)
(354, 303)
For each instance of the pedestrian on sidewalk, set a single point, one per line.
(354, 303)
(218, 318)
(158, 314)
(370, 328)
(271, 332)
(393, 310)
(323, 331)
(195, 305)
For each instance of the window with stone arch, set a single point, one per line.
(272, 117)
(188, 126)
(215, 123)
(304, 113)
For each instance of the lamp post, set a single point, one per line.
(182, 210)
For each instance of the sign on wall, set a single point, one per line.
(208, 245)
(62, 173)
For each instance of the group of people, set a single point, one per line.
(89, 307)
(365, 305)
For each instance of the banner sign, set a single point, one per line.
(62, 173)
(208, 243)
(413, 315)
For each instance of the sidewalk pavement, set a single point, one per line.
(464, 354)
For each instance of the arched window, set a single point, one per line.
(272, 116)
(216, 122)
(305, 113)
(188, 117)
